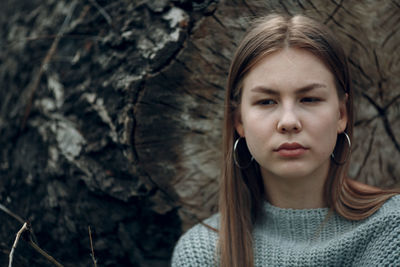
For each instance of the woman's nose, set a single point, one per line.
(289, 121)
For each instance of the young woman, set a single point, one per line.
(285, 199)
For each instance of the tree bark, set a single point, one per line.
(111, 116)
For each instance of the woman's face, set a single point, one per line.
(290, 115)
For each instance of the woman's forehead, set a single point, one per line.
(291, 67)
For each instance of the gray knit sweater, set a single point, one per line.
(287, 237)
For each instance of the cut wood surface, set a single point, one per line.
(111, 116)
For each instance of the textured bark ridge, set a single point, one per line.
(111, 115)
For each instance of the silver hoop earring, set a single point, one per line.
(348, 154)
(236, 155)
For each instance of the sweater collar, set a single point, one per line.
(295, 224)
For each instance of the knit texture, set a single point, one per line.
(288, 237)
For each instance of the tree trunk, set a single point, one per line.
(111, 116)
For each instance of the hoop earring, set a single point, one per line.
(236, 155)
(348, 154)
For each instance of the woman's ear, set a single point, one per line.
(343, 117)
(238, 124)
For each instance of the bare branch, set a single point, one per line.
(23, 229)
(26, 227)
(44, 254)
(12, 214)
(91, 247)
(102, 12)
(45, 63)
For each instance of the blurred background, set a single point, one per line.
(111, 116)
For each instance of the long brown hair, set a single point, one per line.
(242, 190)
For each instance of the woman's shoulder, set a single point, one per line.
(384, 224)
(383, 248)
(197, 247)
(388, 213)
(391, 207)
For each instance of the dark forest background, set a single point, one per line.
(111, 113)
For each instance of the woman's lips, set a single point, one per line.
(289, 150)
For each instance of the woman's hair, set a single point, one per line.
(242, 190)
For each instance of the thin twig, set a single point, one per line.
(27, 227)
(45, 62)
(18, 218)
(12, 214)
(23, 229)
(44, 254)
(91, 247)
(53, 36)
(102, 12)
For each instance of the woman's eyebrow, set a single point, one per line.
(265, 90)
(310, 87)
(302, 90)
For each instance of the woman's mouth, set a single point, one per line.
(290, 150)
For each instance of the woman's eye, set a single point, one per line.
(266, 102)
(310, 99)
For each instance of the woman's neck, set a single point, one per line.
(299, 193)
